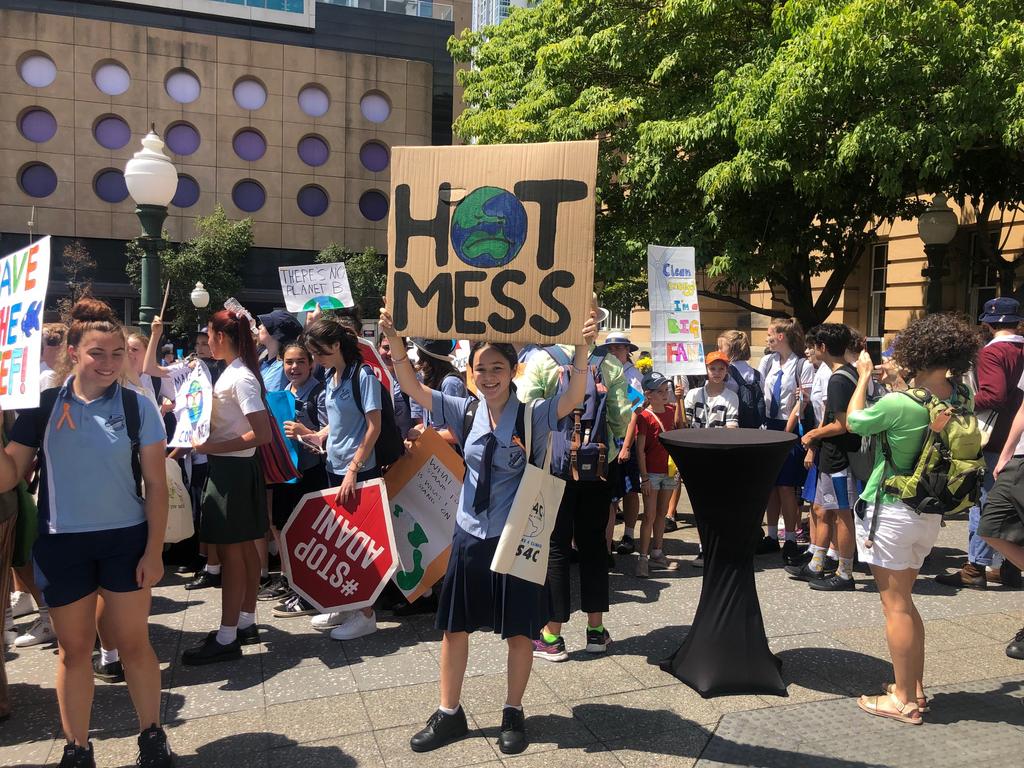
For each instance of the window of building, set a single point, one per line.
(312, 200)
(248, 195)
(37, 70)
(250, 94)
(373, 205)
(982, 276)
(876, 304)
(183, 86)
(374, 156)
(109, 186)
(313, 150)
(314, 101)
(375, 107)
(112, 78)
(249, 145)
(183, 139)
(111, 132)
(37, 124)
(37, 180)
(187, 193)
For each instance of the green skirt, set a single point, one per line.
(234, 501)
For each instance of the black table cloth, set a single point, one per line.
(728, 474)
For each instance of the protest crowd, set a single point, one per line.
(588, 414)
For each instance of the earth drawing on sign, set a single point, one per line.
(194, 401)
(324, 302)
(488, 227)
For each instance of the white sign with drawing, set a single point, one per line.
(323, 285)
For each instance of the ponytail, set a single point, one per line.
(237, 329)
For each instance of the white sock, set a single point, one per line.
(44, 614)
(227, 635)
(245, 619)
(790, 535)
(448, 711)
(512, 706)
(773, 532)
(832, 554)
(109, 657)
(631, 532)
(213, 570)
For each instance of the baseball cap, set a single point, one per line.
(653, 381)
(716, 357)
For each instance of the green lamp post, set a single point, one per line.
(152, 182)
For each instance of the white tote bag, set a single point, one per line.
(179, 506)
(525, 542)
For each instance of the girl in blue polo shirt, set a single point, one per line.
(472, 596)
(97, 535)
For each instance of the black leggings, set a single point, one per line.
(582, 517)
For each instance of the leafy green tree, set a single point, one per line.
(367, 275)
(78, 267)
(213, 256)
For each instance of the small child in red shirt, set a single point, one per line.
(656, 484)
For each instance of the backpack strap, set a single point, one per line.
(735, 375)
(467, 421)
(558, 355)
(47, 402)
(133, 423)
(312, 409)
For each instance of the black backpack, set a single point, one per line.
(751, 397)
(390, 445)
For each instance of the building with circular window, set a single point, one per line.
(37, 180)
(112, 132)
(37, 124)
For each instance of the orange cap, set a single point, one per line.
(716, 357)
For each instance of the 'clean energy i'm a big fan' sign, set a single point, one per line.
(24, 275)
(676, 345)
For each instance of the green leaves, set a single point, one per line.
(367, 275)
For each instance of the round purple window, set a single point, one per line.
(373, 205)
(312, 200)
(109, 186)
(248, 196)
(375, 107)
(182, 138)
(37, 180)
(374, 156)
(183, 86)
(187, 193)
(249, 145)
(112, 132)
(37, 125)
(313, 150)
(314, 101)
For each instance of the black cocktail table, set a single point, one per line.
(728, 474)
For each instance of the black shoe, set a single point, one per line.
(211, 652)
(830, 567)
(767, 546)
(275, 590)
(108, 673)
(266, 581)
(611, 561)
(441, 729)
(1009, 575)
(203, 580)
(1015, 650)
(671, 526)
(77, 757)
(698, 561)
(423, 605)
(249, 636)
(153, 749)
(804, 572)
(791, 554)
(834, 583)
(626, 545)
(799, 563)
(512, 739)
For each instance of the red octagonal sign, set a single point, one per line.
(340, 557)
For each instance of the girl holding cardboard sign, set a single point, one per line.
(472, 596)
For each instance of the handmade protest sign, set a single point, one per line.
(308, 286)
(371, 357)
(492, 242)
(423, 489)
(193, 405)
(24, 275)
(340, 557)
(676, 343)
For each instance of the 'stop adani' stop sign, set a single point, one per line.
(340, 557)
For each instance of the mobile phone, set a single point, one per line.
(874, 348)
(313, 442)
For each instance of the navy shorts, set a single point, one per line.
(70, 566)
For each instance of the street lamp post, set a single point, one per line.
(200, 300)
(937, 227)
(152, 182)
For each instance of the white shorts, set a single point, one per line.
(902, 539)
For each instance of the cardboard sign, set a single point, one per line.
(424, 486)
(340, 557)
(372, 358)
(493, 242)
(307, 286)
(24, 275)
(677, 346)
(193, 405)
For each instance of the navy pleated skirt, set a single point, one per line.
(793, 473)
(475, 598)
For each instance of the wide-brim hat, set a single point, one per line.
(618, 338)
(439, 349)
(1002, 310)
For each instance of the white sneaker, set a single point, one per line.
(40, 632)
(21, 605)
(325, 621)
(356, 625)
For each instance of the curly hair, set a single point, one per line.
(942, 340)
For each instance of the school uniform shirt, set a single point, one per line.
(781, 380)
(452, 386)
(819, 389)
(705, 411)
(832, 459)
(509, 461)
(746, 372)
(235, 395)
(346, 422)
(47, 377)
(307, 458)
(87, 480)
(272, 372)
(650, 425)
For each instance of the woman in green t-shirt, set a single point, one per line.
(934, 348)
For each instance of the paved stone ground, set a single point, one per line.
(300, 699)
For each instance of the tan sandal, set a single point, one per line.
(904, 713)
(922, 701)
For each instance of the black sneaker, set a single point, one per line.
(423, 605)
(266, 581)
(277, 589)
(211, 652)
(698, 561)
(203, 580)
(153, 749)
(249, 636)
(597, 640)
(512, 739)
(804, 573)
(830, 567)
(791, 554)
(671, 526)
(798, 564)
(1015, 650)
(626, 545)
(834, 583)
(441, 729)
(767, 546)
(108, 673)
(77, 757)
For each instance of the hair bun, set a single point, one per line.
(91, 310)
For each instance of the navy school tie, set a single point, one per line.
(482, 497)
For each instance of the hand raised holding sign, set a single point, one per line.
(590, 329)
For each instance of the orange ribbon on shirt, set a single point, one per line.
(66, 417)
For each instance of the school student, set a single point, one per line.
(234, 507)
(97, 538)
(713, 405)
(277, 329)
(350, 433)
(472, 596)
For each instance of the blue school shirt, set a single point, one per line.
(509, 459)
(272, 373)
(346, 423)
(88, 484)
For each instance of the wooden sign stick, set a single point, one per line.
(167, 295)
